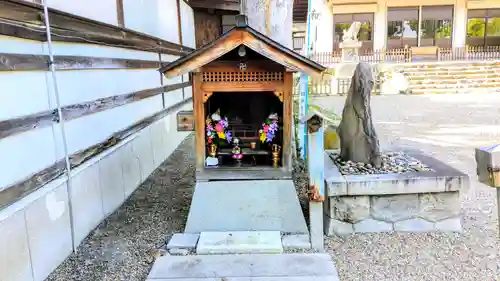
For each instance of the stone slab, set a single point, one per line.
(49, 231)
(111, 182)
(183, 241)
(371, 225)
(316, 225)
(414, 225)
(179, 251)
(450, 225)
(131, 168)
(444, 178)
(244, 266)
(280, 278)
(239, 242)
(87, 207)
(296, 241)
(256, 205)
(15, 263)
(336, 227)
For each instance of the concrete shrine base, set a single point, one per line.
(407, 202)
(246, 205)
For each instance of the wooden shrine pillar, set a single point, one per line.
(316, 170)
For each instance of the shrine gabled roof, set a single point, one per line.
(232, 39)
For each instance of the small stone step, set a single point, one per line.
(280, 278)
(257, 267)
(239, 242)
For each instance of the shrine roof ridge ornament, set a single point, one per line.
(242, 34)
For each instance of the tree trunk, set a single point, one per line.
(272, 18)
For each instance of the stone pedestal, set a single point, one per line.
(408, 202)
(350, 50)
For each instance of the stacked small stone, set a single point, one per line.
(392, 162)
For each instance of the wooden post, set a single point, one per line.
(120, 13)
(316, 167)
(488, 169)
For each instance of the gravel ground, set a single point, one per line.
(391, 162)
(447, 127)
(123, 247)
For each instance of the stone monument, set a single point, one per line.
(350, 44)
(358, 140)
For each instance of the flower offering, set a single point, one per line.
(269, 128)
(216, 128)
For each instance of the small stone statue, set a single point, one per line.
(358, 140)
(236, 151)
(351, 34)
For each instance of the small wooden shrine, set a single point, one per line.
(242, 104)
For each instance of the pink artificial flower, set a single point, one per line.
(266, 128)
(219, 127)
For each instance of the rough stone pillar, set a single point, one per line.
(460, 24)
(380, 26)
(272, 18)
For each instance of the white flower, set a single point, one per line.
(273, 116)
(216, 117)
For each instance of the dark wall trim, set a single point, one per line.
(71, 112)
(42, 119)
(17, 191)
(67, 27)
(25, 62)
(120, 13)
(27, 123)
(178, 4)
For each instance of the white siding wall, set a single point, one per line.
(187, 20)
(100, 10)
(35, 232)
(161, 19)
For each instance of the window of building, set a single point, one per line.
(402, 27)
(483, 27)
(299, 39)
(437, 26)
(342, 22)
(405, 27)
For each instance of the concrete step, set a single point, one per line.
(452, 91)
(449, 63)
(455, 86)
(239, 242)
(272, 278)
(449, 68)
(454, 76)
(453, 72)
(454, 82)
(257, 267)
(430, 66)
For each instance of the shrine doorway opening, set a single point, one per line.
(247, 113)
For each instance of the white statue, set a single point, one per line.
(351, 34)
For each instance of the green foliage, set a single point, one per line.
(444, 31)
(476, 28)
(493, 28)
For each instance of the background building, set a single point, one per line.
(393, 24)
